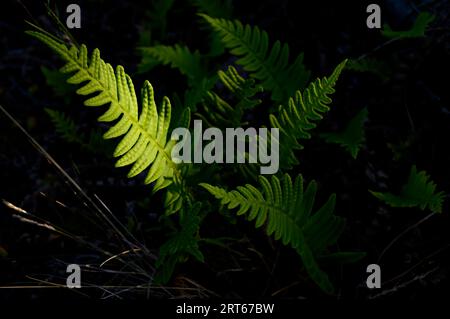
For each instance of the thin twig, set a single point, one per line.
(402, 233)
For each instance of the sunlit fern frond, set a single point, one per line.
(144, 143)
(268, 65)
(297, 118)
(286, 209)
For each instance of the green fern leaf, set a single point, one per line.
(271, 67)
(417, 30)
(178, 57)
(156, 21)
(287, 211)
(297, 118)
(57, 81)
(370, 65)
(143, 136)
(243, 89)
(190, 64)
(218, 112)
(182, 243)
(353, 136)
(419, 191)
(215, 8)
(65, 126)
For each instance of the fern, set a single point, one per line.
(297, 118)
(418, 191)
(287, 211)
(57, 81)
(178, 57)
(190, 64)
(182, 243)
(417, 30)
(68, 130)
(156, 20)
(218, 112)
(271, 67)
(353, 136)
(144, 137)
(65, 126)
(370, 65)
(243, 89)
(214, 8)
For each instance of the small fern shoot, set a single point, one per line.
(65, 126)
(417, 30)
(419, 191)
(143, 136)
(183, 243)
(244, 89)
(270, 66)
(370, 65)
(287, 211)
(297, 118)
(353, 136)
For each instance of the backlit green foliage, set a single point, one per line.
(286, 209)
(297, 118)
(419, 191)
(281, 204)
(181, 244)
(268, 65)
(143, 136)
(417, 30)
(353, 136)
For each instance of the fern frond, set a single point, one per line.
(143, 136)
(178, 57)
(243, 89)
(214, 8)
(57, 81)
(156, 21)
(287, 211)
(370, 65)
(419, 191)
(271, 67)
(65, 126)
(417, 30)
(297, 118)
(220, 113)
(353, 136)
(182, 243)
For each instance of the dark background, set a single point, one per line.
(409, 110)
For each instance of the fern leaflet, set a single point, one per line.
(183, 242)
(65, 126)
(271, 67)
(243, 89)
(144, 136)
(353, 136)
(57, 81)
(371, 65)
(295, 120)
(287, 211)
(178, 57)
(417, 30)
(419, 191)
